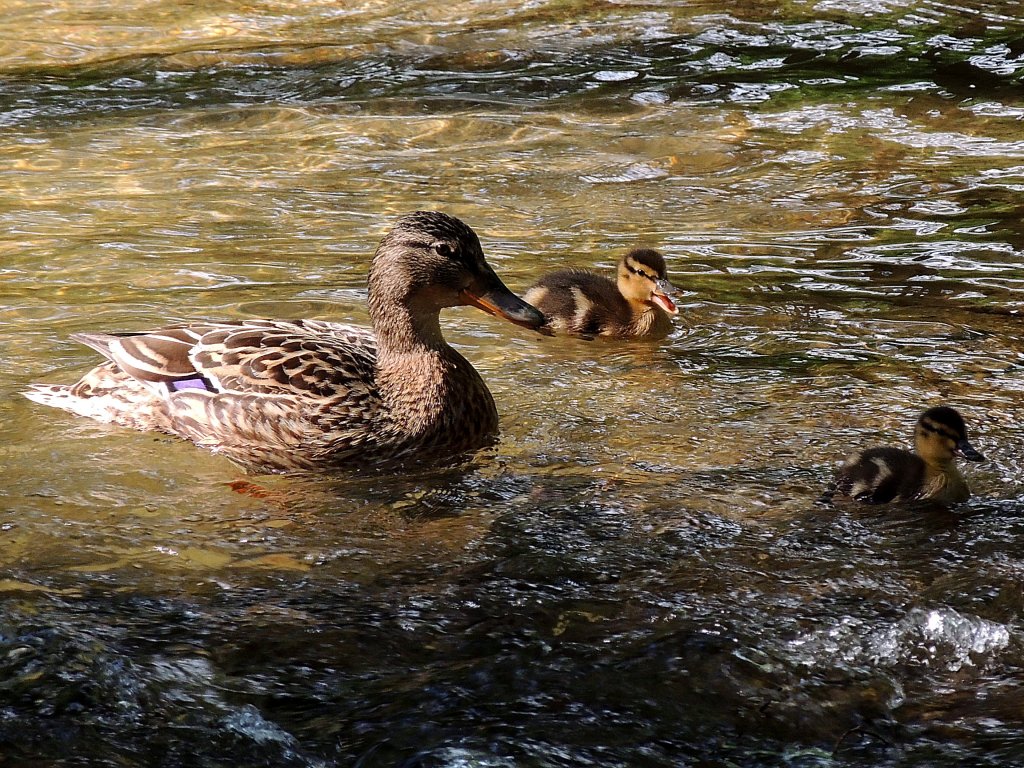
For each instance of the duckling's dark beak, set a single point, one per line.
(490, 294)
(967, 450)
(662, 296)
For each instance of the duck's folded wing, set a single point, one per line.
(157, 356)
(288, 358)
(301, 358)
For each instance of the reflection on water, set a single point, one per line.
(639, 573)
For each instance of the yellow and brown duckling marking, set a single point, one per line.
(880, 475)
(277, 395)
(582, 303)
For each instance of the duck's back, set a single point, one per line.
(880, 475)
(579, 301)
(267, 393)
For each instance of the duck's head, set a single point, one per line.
(430, 260)
(940, 435)
(643, 279)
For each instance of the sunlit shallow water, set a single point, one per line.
(639, 573)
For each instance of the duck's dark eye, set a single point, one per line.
(444, 249)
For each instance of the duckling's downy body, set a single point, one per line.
(582, 303)
(306, 394)
(880, 475)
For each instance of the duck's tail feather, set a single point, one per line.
(98, 341)
(61, 396)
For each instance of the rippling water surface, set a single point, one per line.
(638, 574)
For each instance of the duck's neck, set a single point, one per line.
(402, 330)
(648, 321)
(430, 392)
(943, 481)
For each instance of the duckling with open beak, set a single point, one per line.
(639, 304)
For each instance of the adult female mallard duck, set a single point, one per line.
(880, 475)
(278, 395)
(586, 304)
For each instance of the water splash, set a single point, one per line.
(940, 637)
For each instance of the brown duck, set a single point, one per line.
(276, 395)
(582, 303)
(880, 475)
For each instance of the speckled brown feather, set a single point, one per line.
(307, 394)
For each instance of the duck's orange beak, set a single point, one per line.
(491, 295)
(662, 296)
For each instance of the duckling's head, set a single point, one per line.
(940, 435)
(430, 260)
(643, 279)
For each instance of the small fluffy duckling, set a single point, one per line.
(583, 303)
(880, 475)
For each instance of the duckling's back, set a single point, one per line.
(581, 302)
(880, 475)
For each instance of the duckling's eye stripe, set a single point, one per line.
(928, 426)
(636, 271)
